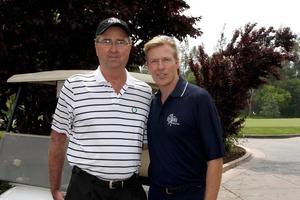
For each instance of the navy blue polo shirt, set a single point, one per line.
(183, 134)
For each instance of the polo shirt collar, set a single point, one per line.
(179, 89)
(100, 78)
(130, 80)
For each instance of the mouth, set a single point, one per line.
(161, 76)
(113, 58)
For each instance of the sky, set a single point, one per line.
(229, 15)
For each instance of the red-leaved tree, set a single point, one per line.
(250, 58)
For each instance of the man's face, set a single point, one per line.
(113, 48)
(163, 66)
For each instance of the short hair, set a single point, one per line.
(159, 41)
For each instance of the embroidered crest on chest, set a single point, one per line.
(172, 120)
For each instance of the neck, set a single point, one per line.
(116, 77)
(113, 74)
(167, 90)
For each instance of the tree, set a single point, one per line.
(289, 72)
(247, 61)
(184, 56)
(270, 101)
(51, 34)
(293, 87)
(270, 108)
(292, 69)
(42, 35)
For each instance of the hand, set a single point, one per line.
(57, 195)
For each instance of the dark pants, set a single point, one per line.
(192, 193)
(82, 187)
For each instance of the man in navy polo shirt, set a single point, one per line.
(184, 131)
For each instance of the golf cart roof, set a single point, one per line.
(50, 77)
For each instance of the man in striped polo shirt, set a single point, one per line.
(103, 114)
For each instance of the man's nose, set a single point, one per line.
(113, 47)
(160, 64)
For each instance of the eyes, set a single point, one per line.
(110, 42)
(164, 61)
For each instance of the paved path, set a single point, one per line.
(273, 172)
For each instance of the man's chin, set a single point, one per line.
(116, 66)
(160, 82)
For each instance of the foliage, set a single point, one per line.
(285, 95)
(289, 75)
(4, 186)
(51, 34)
(7, 111)
(293, 87)
(230, 142)
(184, 56)
(190, 77)
(270, 108)
(249, 59)
(43, 35)
(291, 69)
(34, 112)
(270, 100)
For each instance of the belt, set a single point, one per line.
(107, 184)
(179, 189)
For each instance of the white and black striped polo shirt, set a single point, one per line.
(105, 129)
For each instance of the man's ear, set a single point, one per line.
(96, 49)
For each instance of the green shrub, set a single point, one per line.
(4, 186)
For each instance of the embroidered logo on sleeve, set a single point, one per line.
(172, 120)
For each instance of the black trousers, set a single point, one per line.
(82, 187)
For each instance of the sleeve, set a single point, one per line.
(209, 126)
(63, 116)
(145, 138)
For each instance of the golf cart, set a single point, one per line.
(24, 157)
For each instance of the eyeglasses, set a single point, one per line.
(109, 42)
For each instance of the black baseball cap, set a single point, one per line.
(112, 21)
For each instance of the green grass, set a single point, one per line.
(271, 127)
